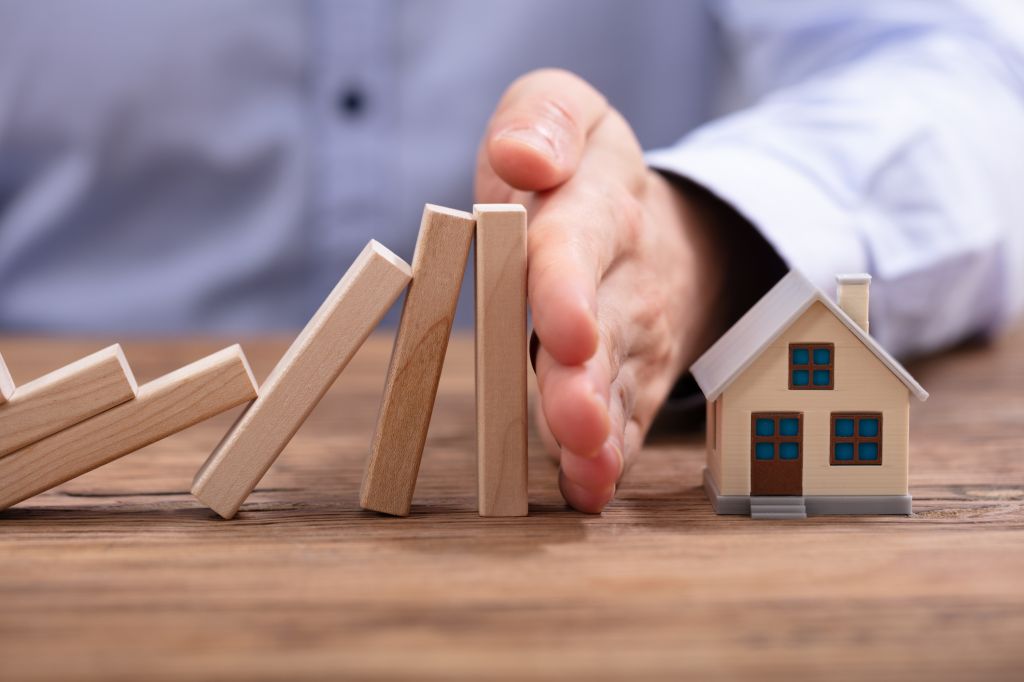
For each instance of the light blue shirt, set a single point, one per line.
(196, 165)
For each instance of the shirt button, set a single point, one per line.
(351, 102)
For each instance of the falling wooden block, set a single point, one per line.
(303, 375)
(437, 269)
(6, 383)
(65, 397)
(162, 407)
(501, 359)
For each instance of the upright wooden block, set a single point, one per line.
(65, 397)
(301, 378)
(6, 383)
(164, 406)
(437, 269)
(501, 359)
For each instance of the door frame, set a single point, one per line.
(776, 476)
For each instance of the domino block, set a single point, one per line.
(300, 379)
(162, 407)
(501, 359)
(65, 397)
(437, 269)
(6, 383)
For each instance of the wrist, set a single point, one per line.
(734, 265)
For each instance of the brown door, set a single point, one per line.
(776, 453)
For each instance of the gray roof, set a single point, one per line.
(764, 322)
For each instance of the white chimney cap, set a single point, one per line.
(854, 278)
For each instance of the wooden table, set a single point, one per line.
(120, 574)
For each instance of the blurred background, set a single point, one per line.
(197, 166)
(188, 166)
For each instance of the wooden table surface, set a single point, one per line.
(120, 574)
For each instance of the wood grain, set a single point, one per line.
(501, 420)
(164, 406)
(6, 383)
(121, 574)
(300, 379)
(438, 266)
(65, 397)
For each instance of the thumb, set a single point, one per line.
(537, 135)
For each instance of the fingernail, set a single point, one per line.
(534, 138)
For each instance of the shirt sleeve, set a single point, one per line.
(881, 137)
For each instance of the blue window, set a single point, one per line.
(843, 452)
(867, 452)
(776, 436)
(856, 438)
(843, 427)
(811, 366)
(789, 426)
(868, 427)
(789, 450)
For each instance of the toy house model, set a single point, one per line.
(806, 413)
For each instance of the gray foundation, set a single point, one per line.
(816, 505)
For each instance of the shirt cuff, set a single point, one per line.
(809, 229)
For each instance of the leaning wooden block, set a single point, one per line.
(6, 383)
(301, 378)
(437, 269)
(65, 397)
(501, 359)
(164, 406)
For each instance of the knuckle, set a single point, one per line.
(651, 314)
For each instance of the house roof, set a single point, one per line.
(764, 322)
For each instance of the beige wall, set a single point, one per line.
(862, 384)
(714, 438)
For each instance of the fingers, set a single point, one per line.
(599, 440)
(537, 135)
(589, 483)
(574, 239)
(547, 438)
(552, 129)
(556, 137)
(574, 400)
(581, 498)
(578, 233)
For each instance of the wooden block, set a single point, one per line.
(6, 383)
(164, 406)
(416, 359)
(501, 359)
(300, 379)
(65, 397)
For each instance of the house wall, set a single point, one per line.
(713, 436)
(862, 383)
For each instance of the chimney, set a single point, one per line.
(852, 292)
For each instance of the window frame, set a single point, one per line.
(856, 439)
(777, 438)
(811, 366)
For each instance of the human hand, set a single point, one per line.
(625, 273)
